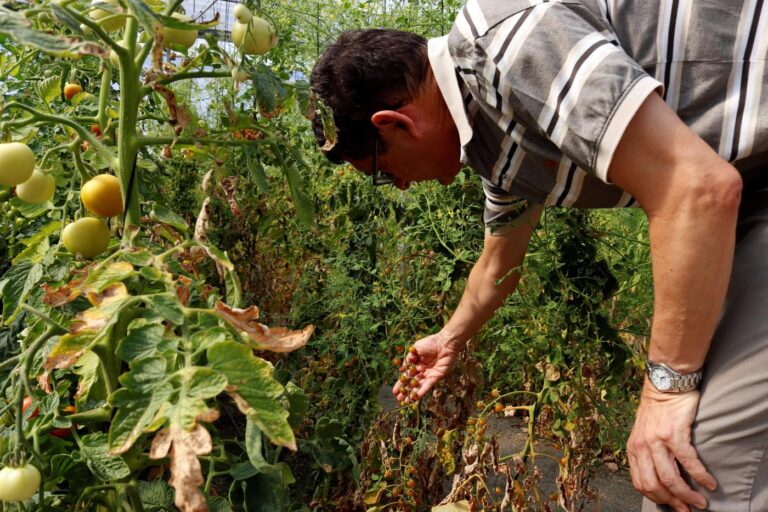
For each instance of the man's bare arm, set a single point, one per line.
(691, 197)
(493, 277)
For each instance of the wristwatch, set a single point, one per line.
(667, 380)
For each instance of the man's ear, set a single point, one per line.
(388, 122)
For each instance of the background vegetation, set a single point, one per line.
(310, 243)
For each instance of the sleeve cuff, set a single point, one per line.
(634, 97)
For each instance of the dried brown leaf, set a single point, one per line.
(186, 473)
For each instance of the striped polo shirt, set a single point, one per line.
(542, 91)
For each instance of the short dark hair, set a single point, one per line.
(363, 72)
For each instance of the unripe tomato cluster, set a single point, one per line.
(251, 34)
(101, 196)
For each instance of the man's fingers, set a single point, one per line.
(689, 460)
(670, 478)
(646, 480)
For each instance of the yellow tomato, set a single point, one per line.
(179, 36)
(88, 237)
(17, 162)
(257, 37)
(101, 196)
(38, 189)
(71, 89)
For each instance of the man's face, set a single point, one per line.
(435, 157)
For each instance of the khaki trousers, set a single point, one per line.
(731, 428)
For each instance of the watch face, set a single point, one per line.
(661, 379)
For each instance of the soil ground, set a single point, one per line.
(616, 493)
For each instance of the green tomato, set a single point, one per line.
(242, 13)
(38, 189)
(257, 37)
(88, 236)
(116, 22)
(17, 162)
(179, 36)
(19, 484)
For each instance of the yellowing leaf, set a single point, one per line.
(275, 339)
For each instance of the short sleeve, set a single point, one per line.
(502, 210)
(557, 69)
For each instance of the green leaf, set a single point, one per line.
(257, 171)
(219, 256)
(302, 203)
(136, 410)
(156, 494)
(254, 446)
(256, 391)
(37, 245)
(162, 214)
(166, 305)
(145, 338)
(234, 291)
(202, 340)
(48, 89)
(22, 31)
(299, 404)
(102, 464)
(145, 374)
(87, 367)
(148, 19)
(16, 286)
(138, 257)
(197, 385)
(217, 504)
(109, 274)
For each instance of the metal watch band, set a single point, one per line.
(667, 380)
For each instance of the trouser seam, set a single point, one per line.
(757, 470)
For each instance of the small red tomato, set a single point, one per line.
(26, 405)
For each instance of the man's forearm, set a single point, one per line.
(483, 295)
(691, 197)
(492, 279)
(692, 245)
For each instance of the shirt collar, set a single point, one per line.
(445, 75)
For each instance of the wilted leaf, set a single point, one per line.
(69, 348)
(186, 473)
(459, 506)
(275, 339)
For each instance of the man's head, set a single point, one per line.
(382, 92)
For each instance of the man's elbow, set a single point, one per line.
(720, 193)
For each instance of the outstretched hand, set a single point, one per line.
(660, 441)
(427, 362)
